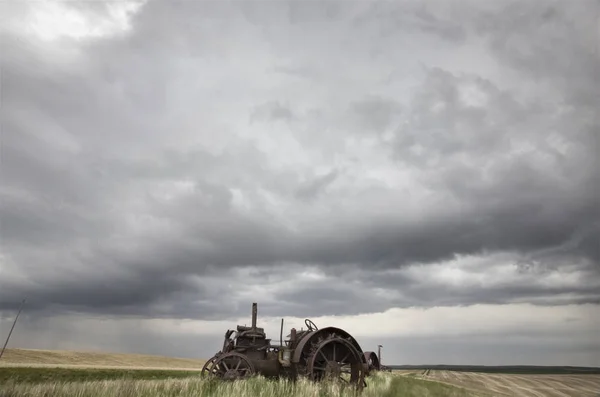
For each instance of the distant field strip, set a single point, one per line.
(520, 384)
(70, 359)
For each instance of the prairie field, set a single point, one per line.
(37, 373)
(379, 385)
(526, 385)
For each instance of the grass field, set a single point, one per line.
(526, 385)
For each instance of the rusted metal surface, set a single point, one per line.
(316, 354)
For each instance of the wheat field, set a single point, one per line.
(525, 385)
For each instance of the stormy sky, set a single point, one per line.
(424, 175)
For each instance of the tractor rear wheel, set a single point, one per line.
(335, 358)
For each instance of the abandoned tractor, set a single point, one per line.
(317, 354)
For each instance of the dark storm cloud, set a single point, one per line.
(420, 288)
(119, 292)
(90, 151)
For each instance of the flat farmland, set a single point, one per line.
(526, 385)
(42, 373)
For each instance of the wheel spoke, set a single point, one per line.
(345, 357)
(323, 354)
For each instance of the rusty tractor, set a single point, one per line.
(316, 354)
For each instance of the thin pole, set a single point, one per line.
(12, 328)
(254, 314)
(281, 333)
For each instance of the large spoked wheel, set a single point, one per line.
(337, 360)
(208, 366)
(232, 366)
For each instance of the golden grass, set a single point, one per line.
(83, 359)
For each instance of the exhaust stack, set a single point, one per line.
(254, 314)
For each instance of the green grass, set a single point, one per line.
(139, 383)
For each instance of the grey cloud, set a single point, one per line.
(440, 140)
(87, 226)
(311, 189)
(335, 299)
(272, 111)
(416, 17)
(374, 114)
(557, 34)
(295, 71)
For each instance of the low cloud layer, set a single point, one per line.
(180, 161)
